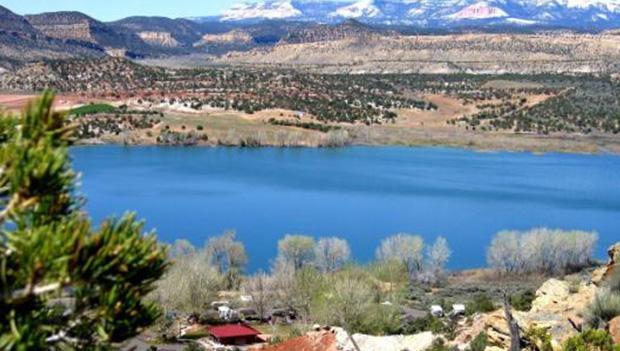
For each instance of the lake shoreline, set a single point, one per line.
(539, 145)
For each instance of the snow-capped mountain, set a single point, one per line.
(479, 10)
(264, 10)
(362, 8)
(436, 13)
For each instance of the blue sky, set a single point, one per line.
(115, 9)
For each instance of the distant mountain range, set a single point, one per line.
(579, 14)
(60, 35)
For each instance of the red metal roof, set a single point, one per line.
(233, 330)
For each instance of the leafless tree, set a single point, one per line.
(189, 285)
(405, 248)
(296, 250)
(505, 252)
(437, 257)
(331, 254)
(260, 287)
(181, 247)
(228, 256)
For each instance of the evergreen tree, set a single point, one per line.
(64, 285)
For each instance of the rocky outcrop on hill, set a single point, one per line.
(161, 31)
(76, 26)
(64, 26)
(21, 42)
(164, 39)
(467, 53)
(613, 265)
(557, 309)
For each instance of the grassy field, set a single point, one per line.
(92, 109)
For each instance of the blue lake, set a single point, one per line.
(362, 194)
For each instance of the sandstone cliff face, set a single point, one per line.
(614, 329)
(613, 265)
(163, 39)
(76, 26)
(471, 53)
(76, 31)
(21, 42)
(555, 309)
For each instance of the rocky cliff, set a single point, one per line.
(76, 26)
(21, 42)
(161, 31)
(164, 39)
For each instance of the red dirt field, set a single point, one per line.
(315, 341)
(14, 103)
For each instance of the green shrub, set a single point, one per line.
(428, 323)
(613, 281)
(295, 332)
(605, 307)
(274, 340)
(193, 346)
(479, 343)
(539, 338)
(482, 303)
(591, 340)
(439, 345)
(522, 301)
(50, 249)
(381, 320)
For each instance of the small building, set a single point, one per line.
(437, 311)
(458, 310)
(235, 334)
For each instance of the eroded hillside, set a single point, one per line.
(468, 53)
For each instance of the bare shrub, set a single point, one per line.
(605, 307)
(336, 138)
(541, 250)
